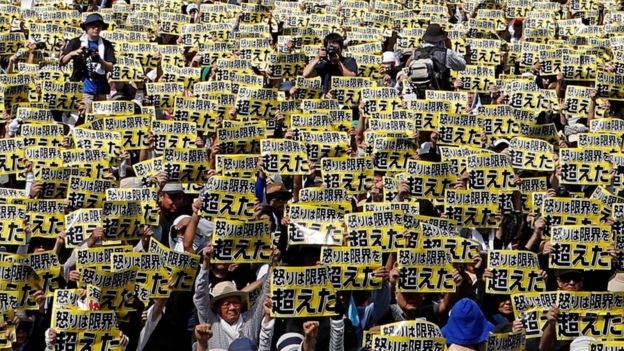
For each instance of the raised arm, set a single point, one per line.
(201, 298)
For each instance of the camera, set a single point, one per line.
(90, 53)
(40, 45)
(331, 51)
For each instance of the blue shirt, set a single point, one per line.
(97, 84)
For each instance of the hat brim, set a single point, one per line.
(278, 194)
(243, 296)
(174, 191)
(85, 24)
(434, 38)
(563, 272)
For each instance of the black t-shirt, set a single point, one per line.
(80, 67)
(326, 70)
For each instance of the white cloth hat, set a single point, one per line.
(389, 57)
(173, 188)
(581, 343)
(616, 283)
(130, 182)
(202, 234)
(191, 7)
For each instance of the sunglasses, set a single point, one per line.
(573, 277)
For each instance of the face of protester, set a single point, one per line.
(336, 46)
(570, 282)
(409, 302)
(279, 203)
(93, 30)
(505, 307)
(20, 337)
(229, 309)
(434, 137)
(266, 217)
(171, 203)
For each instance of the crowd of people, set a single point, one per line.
(312, 175)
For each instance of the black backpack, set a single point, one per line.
(428, 69)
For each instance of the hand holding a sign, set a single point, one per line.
(517, 326)
(540, 223)
(39, 296)
(214, 150)
(547, 248)
(66, 143)
(199, 142)
(382, 272)
(393, 277)
(123, 340)
(403, 190)
(96, 236)
(74, 276)
(160, 179)
(458, 278)
(553, 314)
(613, 252)
(146, 235)
(35, 189)
(549, 331)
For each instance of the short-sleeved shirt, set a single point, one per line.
(80, 68)
(95, 84)
(326, 70)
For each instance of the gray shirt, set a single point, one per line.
(252, 318)
(454, 60)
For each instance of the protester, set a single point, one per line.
(222, 309)
(467, 327)
(329, 62)
(435, 73)
(92, 57)
(312, 175)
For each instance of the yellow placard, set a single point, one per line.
(302, 292)
(422, 270)
(514, 272)
(241, 242)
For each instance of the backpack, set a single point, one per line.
(428, 69)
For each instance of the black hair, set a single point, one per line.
(562, 191)
(333, 38)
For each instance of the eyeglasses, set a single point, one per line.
(230, 304)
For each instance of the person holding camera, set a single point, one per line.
(329, 62)
(93, 56)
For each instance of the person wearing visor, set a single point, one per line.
(172, 203)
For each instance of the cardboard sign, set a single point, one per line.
(423, 270)
(302, 292)
(514, 272)
(241, 242)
